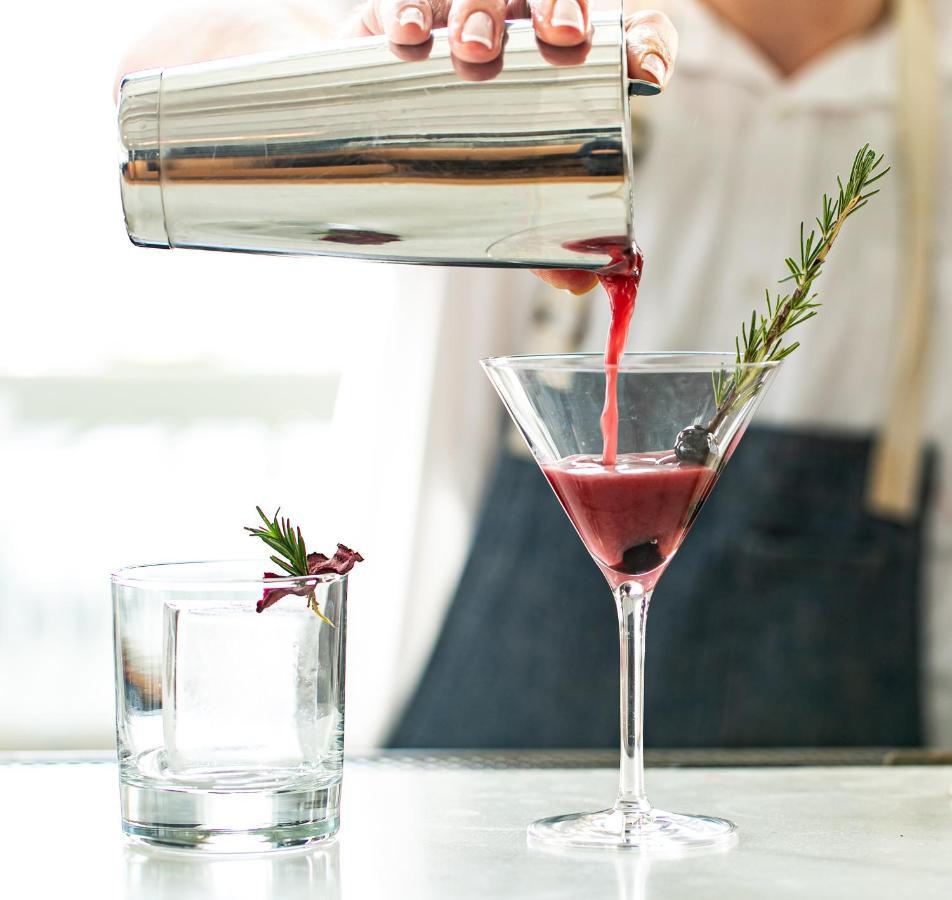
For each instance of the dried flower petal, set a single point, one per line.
(273, 595)
(318, 564)
(339, 564)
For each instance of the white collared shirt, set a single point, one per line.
(738, 156)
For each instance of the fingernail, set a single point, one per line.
(568, 14)
(478, 29)
(639, 88)
(410, 15)
(655, 66)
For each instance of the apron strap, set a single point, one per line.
(895, 474)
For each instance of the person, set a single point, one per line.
(807, 605)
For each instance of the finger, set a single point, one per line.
(363, 21)
(413, 52)
(476, 29)
(652, 43)
(477, 71)
(575, 280)
(565, 56)
(407, 22)
(563, 23)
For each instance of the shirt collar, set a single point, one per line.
(860, 72)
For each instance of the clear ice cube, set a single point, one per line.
(242, 689)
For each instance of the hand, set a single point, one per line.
(477, 28)
(476, 32)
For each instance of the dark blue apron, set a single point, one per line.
(790, 617)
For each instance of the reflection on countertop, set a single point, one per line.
(153, 874)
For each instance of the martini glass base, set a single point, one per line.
(613, 829)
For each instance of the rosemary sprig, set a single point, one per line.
(281, 537)
(762, 339)
(286, 540)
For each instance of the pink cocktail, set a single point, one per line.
(631, 516)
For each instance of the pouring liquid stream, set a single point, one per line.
(620, 279)
(622, 290)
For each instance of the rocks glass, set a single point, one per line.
(230, 723)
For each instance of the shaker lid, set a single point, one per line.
(140, 160)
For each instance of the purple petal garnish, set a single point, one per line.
(273, 595)
(339, 564)
(317, 564)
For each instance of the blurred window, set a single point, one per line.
(138, 388)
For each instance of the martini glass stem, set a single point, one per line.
(632, 602)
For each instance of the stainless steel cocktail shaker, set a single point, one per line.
(349, 151)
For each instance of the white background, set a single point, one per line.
(148, 399)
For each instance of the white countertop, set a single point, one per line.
(420, 833)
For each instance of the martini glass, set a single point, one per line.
(632, 517)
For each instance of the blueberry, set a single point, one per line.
(695, 444)
(641, 558)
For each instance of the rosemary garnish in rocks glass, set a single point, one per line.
(286, 540)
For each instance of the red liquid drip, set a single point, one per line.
(620, 279)
(631, 517)
(622, 290)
